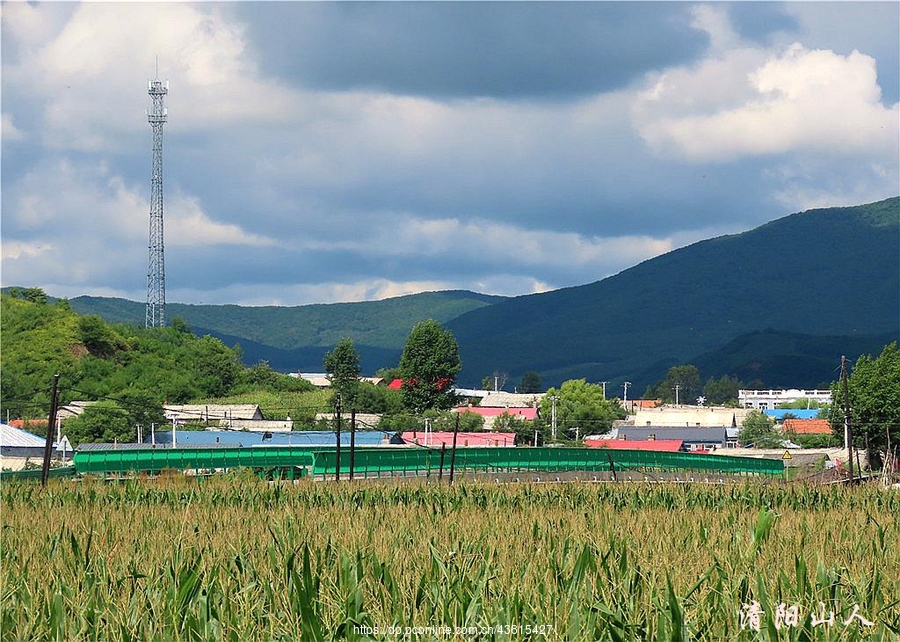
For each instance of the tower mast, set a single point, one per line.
(156, 272)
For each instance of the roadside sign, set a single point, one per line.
(787, 455)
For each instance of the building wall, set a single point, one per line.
(691, 416)
(769, 399)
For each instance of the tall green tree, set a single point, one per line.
(428, 366)
(759, 431)
(580, 404)
(874, 387)
(531, 382)
(685, 378)
(104, 421)
(342, 367)
(721, 391)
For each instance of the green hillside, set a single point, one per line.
(831, 271)
(97, 360)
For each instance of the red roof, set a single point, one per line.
(525, 413)
(463, 439)
(645, 403)
(662, 445)
(397, 384)
(24, 423)
(807, 426)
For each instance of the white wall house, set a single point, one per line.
(769, 399)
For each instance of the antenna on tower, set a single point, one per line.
(156, 272)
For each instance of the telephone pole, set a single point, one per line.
(848, 434)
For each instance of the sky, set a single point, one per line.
(328, 152)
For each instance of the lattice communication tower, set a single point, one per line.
(156, 273)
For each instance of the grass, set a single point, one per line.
(235, 558)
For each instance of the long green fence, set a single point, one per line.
(35, 474)
(380, 461)
(291, 460)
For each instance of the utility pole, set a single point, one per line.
(625, 397)
(848, 434)
(677, 388)
(352, 439)
(48, 444)
(553, 399)
(453, 452)
(603, 383)
(337, 432)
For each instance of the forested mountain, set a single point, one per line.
(821, 272)
(774, 359)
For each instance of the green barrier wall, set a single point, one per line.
(377, 461)
(199, 459)
(36, 473)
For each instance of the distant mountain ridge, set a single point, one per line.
(832, 271)
(827, 277)
(294, 338)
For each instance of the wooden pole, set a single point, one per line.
(848, 433)
(352, 439)
(51, 422)
(337, 432)
(453, 452)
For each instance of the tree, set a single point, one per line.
(35, 295)
(142, 408)
(99, 338)
(722, 391)
(104, 421)
(446, 421)
(531, 382)
(759, 431)
(342, 366)
(428, 366)
(874, 387)
(217, 366)
(687, 380)
(580, 404)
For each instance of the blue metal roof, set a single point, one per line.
(15, 438)
(249, 439)
(799, 414)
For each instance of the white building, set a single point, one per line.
(769, 399)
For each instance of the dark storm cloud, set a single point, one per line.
(496, 49)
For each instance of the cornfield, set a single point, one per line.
(237, 558)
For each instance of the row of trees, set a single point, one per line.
(682, 383)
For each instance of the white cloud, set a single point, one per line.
(187, 225)
(91, 74)
(9, 131)
(795, 101)
(73, 225)
(17, 249)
